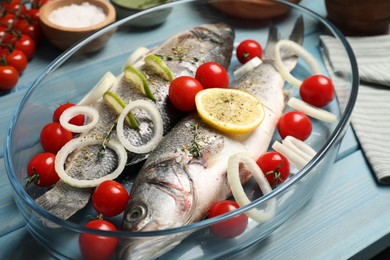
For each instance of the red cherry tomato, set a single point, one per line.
(41, 170)
(9, 77)
(14, 6)
(26, 44)
(295, 124)
(182, 92)
(16, 59)
(317, 90)
(95, 247)
(54, 136)
(110, 198)
(9, 36)
(247, 50)
(77, 120)
(275, 167)
(33, 15)
(7, 19)
(212, 75)
(229, 228)
(30, 28)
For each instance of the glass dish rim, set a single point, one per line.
(339, 129)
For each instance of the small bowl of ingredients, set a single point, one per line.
(66, 22)
(126, 8)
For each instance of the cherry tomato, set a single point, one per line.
(275, 167)
(9, 36)
(9, 77)
(41, 170)
(295, 124)
(30, 28)
(182, 92)
(110, 198)
(247, 50)
(212, 75)
(7, 19)
(229, 228)
(33, 15)
(54, 136)
(14, 6)
(26, 44)
(95, 247)
(77, 120)
(317, 90)
(16, 59)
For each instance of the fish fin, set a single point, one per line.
(273, 38)
(298, 31)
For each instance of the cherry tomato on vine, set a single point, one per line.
(247, 50)
(7, 19)
(231, 227)
(16, 59)
(212, 75)
(182, 92)
(26, 44)
(8, 38)
(14, 6)
(295, 124)
(317, 90)
(30, 28)
(9, 77)
(33, 15)
(96, 247)
(110, 198)
(41, 170)
(77, 120)
(275, 167)
(54, 136)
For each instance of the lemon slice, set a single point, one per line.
(230, 111)
(118, 105)
(156, 64)
(138, 79)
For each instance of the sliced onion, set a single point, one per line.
(155, 115)
(247, 67)
(311, 111)
(296, 151)
(136, 57)
(99, 89)
(301, 52)
(79, 143)
(91, 113)
(299, 147)
(238, 192)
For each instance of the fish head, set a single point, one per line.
(163, 199)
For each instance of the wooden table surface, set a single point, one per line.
(349, 215)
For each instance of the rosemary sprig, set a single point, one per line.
(195, 149)
(107, 137)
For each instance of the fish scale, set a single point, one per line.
(195, 47)
(173, 174)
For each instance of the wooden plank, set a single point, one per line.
(10, 218)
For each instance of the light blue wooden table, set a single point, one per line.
(349, 215)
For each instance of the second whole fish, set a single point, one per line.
(175, 187)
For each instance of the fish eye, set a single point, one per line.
(136, 213)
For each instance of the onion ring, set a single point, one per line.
(298, 50)
(69, 113)
(298, 161)
(299, 147)
(78, 143)
(238, 191)
(155, 115)
(311, 111)
(99, 89)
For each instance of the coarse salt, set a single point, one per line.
(77, 16)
